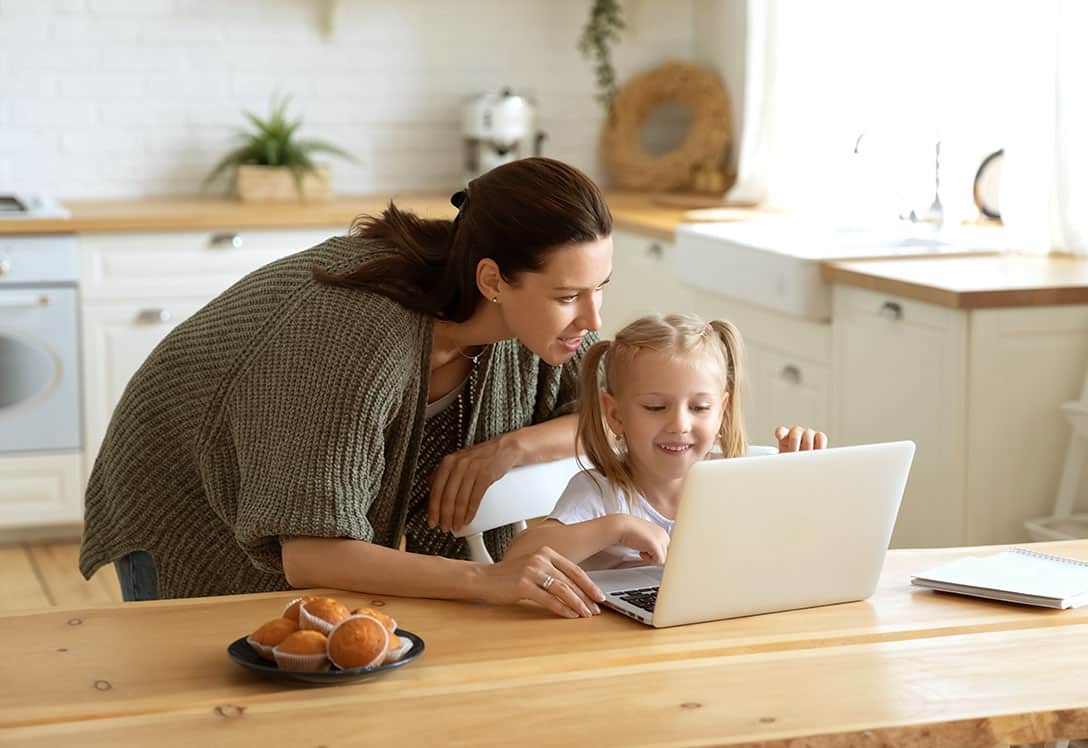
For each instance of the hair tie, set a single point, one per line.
(709, 327)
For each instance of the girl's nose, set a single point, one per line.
(680, 422)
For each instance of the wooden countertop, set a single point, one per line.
(971, 281)
(631, 211)
(905, 667)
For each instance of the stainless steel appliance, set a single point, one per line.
(39, 344)
(498, 128)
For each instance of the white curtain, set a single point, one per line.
(976, 75)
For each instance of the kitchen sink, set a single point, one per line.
(775, 261)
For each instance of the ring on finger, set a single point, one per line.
(547, 583)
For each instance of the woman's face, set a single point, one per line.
(550, 311)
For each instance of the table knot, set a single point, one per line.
(230, 711)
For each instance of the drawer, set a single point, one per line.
(183, 263)
(40, 489)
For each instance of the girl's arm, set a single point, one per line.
(365, 567)
(580, 540)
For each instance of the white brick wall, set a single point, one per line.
(117, 98)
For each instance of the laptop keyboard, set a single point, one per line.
(645, 598)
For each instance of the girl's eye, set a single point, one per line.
(700, 408)
(654, 408)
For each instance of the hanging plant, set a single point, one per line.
(602, 29)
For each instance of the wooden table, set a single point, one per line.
(906, 667)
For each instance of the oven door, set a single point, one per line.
(39, 369)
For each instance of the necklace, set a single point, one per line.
(474, 358)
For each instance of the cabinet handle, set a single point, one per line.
(226, 241)
(24, 301)
(891, 310)
(153, 316)
(655, 250)
(5, 265)
(791, 373)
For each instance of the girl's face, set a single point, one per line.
(669, 411)
(551, 311)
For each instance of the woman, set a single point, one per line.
(365, 391)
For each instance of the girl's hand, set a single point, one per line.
(461, 479)
(650, 540)
(571, 593)
(799, 439)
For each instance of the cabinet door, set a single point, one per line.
(643, 282)
(788, 390)
(40, 489)
(899, 372)
(116, 340)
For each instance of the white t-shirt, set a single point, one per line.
(589, 495)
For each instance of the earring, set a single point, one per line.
(494, 299)
(621, 442)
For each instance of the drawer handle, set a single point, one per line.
(153, 316)
(655, 250)
(226, 241)
(25, 301)
(792, 374)
(891, 310)
(5, 265)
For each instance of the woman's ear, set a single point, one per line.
(489, 279)
(611, 413)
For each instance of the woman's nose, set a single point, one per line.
(589, 315)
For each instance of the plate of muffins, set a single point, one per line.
(319, 640)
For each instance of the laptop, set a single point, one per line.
(764, 534)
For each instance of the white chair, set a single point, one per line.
(1064, 523)
(523, 493)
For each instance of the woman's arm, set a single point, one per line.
(580, 540)
(364, 567)
(462, 477)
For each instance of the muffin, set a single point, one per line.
(358, 641)
(321, 614)
(398, 647)
(265, 638)
(303, 652)
(291, 611)
(389, 623)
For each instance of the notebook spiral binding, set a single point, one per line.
(1048, 557)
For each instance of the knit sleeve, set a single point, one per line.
(317, 427)
(558, 394)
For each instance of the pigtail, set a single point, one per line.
(593, 433)
(733, 438)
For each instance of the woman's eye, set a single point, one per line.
(568, 299)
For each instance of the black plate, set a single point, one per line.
(243, 654)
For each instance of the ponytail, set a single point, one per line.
(593, 433)
(734, 442)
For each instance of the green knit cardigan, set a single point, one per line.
(285, 407)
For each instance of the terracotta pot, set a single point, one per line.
(276, 184)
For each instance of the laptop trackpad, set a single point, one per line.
(613, 580)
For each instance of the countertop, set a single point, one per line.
(961, 282)
(904, 667)
(634, 212)
(980, 281)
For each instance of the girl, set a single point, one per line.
(671, 396)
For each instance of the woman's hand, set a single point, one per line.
(461, 479)
(570, 593)
(799, 439)
(650, 540)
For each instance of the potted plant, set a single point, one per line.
(273, 165)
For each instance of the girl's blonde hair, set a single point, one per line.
(679, 335)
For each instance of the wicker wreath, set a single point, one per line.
(708, 139)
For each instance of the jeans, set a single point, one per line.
(136, 574)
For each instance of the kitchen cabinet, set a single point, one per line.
(39, 489)
(139, 286)
(786, 365)
(978, 391)
(643, 282)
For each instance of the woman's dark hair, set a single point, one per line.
(514, 214)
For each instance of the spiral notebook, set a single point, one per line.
(1016, 576)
